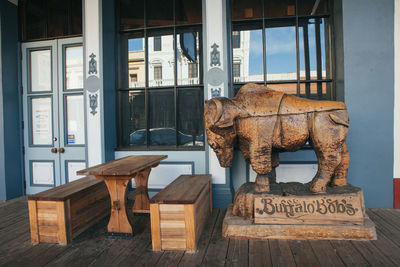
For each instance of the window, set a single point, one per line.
(47, 19)
(157, 72)
(157, 43)
(163, 107)
(236, 70)
(193, 71)
(236, 39)
(286, 45)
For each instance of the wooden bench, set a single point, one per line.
(179, 211)
(59, 214)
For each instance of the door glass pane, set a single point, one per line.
(74, 67)
(136, 63)
(43, 173)
(40, 70)
(188, 58)
(281, 53)
(75, 120)
(41, 119)
(162, 117)
(161, 61)
(248, 57)
(72, 168)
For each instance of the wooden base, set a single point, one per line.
(243, 228)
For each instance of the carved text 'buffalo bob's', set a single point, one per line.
(265, 122)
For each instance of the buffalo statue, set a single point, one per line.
(264, 122)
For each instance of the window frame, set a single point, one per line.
(123, 35)
(241, 24)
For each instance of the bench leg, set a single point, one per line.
(119, 222)
(142, 203)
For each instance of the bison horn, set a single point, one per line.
(218, 104)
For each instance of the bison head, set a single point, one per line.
(219, 116)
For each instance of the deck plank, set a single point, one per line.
(374, 256)
(94, 248)
(281, 254)
(303, 253)
(238, 253)
(325, 253)
(218, 246)
(259, 253)
(348, 253)
(195, 259)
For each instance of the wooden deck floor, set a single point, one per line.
(94, 248)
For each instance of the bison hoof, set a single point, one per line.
(318, 186)
(339, 182)
(258, 188)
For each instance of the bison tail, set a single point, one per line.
(339, 119)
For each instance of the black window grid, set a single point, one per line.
(124, 35)
(300, 20)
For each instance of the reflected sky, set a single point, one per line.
(135, 44)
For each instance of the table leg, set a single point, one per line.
(119, 222)
(142, 203)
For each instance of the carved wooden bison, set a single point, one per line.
(265, 122)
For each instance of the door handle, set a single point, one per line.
(54, 150)
(61, 150)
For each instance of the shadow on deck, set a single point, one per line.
(94, 248)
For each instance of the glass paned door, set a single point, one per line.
(54, 124)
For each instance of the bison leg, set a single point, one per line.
(339, 177)
(263, 181)
(328, 139)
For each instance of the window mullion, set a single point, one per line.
(318, 51)
(297, 50)
(264, 46)
(146, 88)
(175, 77)
(306, 57)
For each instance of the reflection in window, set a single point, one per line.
(161, 73)
(291, 48)
(136, 62)
(190, 112)
(132, 130)
(187, 58)
(40, 70)
(236, 39)
(250, 55)
(236, 70)
(281, 53)
(160, 91)
(157, 43)
(74, 67)
(162, 117)
(193, 71)
(158, 73)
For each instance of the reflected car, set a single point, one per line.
(164, 137)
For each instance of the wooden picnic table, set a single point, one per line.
(116, 175)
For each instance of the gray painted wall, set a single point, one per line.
(10, 130)
(368, 38)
